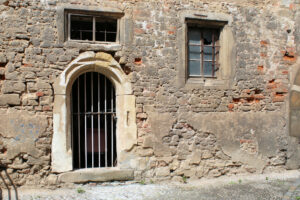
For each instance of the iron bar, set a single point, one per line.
(202, 54)
(78, 118)
(99, 124)
(85, 122)
(93, 113)
(112, 128)
(91, 141)
(72, 122)
(105, 121)
(213, 53)
(92, 117)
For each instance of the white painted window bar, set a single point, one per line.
(93, 111)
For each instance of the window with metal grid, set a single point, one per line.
(93, 114)
(203, 51)
(92, 28)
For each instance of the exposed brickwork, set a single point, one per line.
(31, 57)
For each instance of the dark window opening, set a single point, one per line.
(91, 28)
(93, 113)
(81, 27)
(106, 30)
(203, 51)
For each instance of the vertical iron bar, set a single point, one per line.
(112, 123)
(202, 54)
(72, 122)
(213, 54)
(78, 115)
(105, 121)
(85, 122)
(92, 116)
(99, 125)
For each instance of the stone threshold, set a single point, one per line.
(96, 175)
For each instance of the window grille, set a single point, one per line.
(93, 110)
(203, 51)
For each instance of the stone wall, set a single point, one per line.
(196, 131)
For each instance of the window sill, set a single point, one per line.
(93, 46)
(97, 175)
(207, 83)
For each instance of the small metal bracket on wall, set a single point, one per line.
(3, 169)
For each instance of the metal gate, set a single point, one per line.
(93, 110)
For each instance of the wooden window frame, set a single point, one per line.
(203, 25)
(94, 14)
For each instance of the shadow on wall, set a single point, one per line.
(3, 169)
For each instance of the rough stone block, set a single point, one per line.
(9, 99)
(162, 171)
(13, 87)
(96, 175)
(2, 58)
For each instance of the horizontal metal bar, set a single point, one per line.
(193, 44)
(105, 32)
(94, 113)
(199, 76)
(200, 60)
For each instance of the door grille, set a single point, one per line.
(93, 110)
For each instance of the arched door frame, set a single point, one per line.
(294, 102)
(126, 130)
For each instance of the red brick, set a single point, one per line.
(278, 98)
(149, 26)
(260, 68)
(139, 31)
(289, 58)
(264, 43)
(47, 108)
(138, 61)
(263, 54)
(259, 96)
(230, 106)
(27, 65)
(242, 141)
(40, 94)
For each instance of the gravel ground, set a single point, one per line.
(263, 187)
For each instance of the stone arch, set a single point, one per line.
(125, 105)
(294, 106)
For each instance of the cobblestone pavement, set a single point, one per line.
(262, 187)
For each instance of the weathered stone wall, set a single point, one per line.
(182, 131)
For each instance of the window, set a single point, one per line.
(207, 51)
(203, 51)
(93, 114)
(91, 26)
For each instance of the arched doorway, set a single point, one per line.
(125, 126)
(93, 119)
(294, 111)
